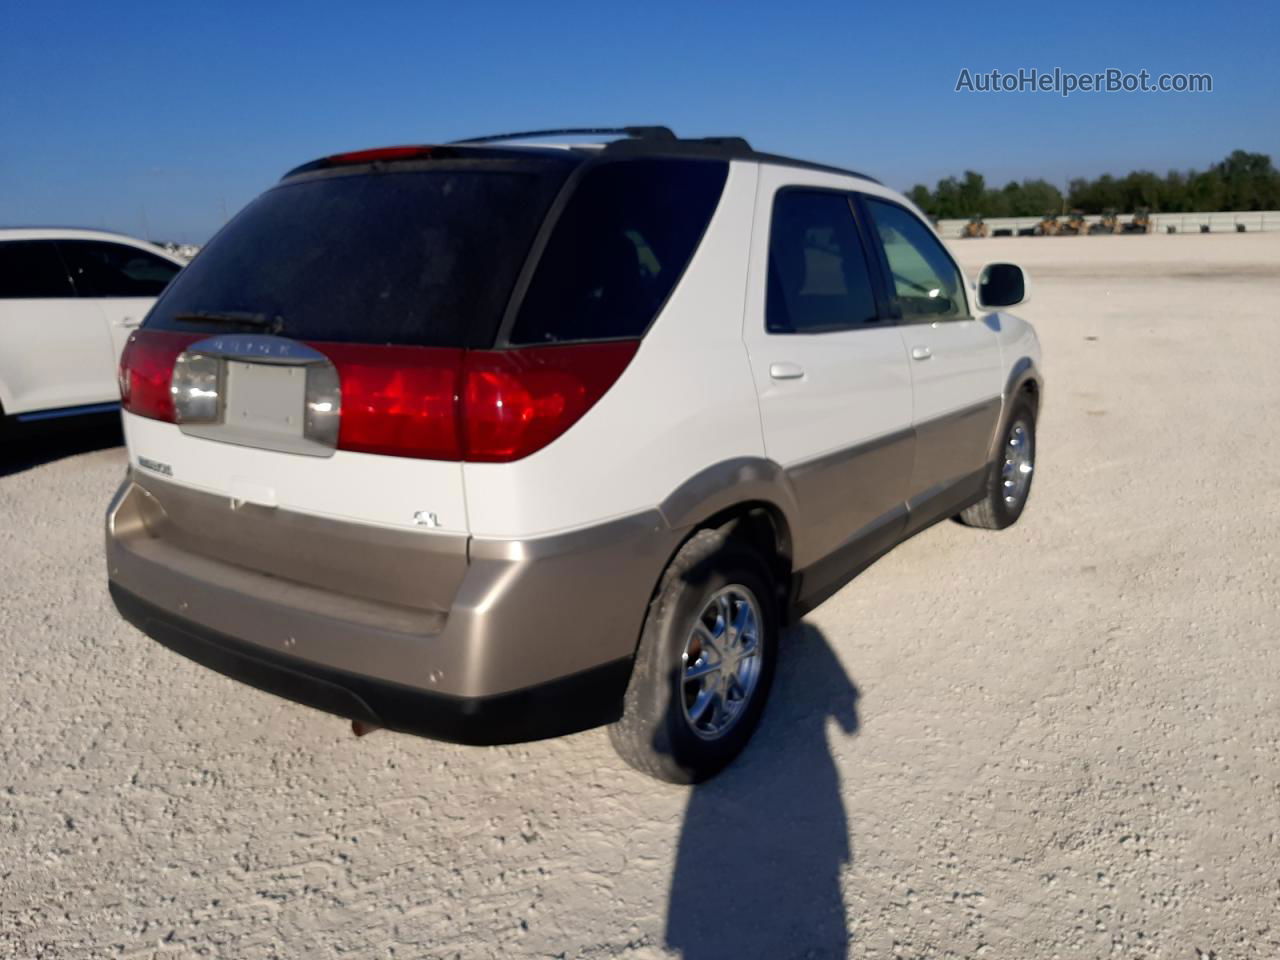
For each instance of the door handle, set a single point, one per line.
(129, 322)
(786, 371)
(921, 353)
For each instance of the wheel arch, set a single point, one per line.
(1024, 379)
(1023, 375)
(750, 498)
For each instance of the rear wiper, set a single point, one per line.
(233, 318)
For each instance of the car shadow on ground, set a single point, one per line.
(764, 843)
(27, 445)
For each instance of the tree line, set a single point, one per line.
(1243, 181)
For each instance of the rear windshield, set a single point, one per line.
(424, 256)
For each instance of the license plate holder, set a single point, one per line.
(266, 399)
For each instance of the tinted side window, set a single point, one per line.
(115, 270)
(818, 275)
(618, 249)
(32, 269)
(926, 282)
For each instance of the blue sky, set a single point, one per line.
(174, 115)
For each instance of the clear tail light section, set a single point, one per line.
(197, 388)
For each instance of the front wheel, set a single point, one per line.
(704, 664)
(1009, 479)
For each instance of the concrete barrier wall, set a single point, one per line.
(1220, 222)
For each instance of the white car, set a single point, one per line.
(492, 440)
(68, 301)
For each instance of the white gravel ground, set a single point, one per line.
(1058, 741)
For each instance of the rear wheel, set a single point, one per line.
(704, 665)
(1009, 479)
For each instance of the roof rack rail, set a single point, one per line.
(727, 148)
(638, 133)
(655, 140)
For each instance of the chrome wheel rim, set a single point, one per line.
(720, 666)
(1019, 462)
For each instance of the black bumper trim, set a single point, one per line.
(566, 705)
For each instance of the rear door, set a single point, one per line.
(54, 348)
(955, 357)
(830, 371)
(124, 280)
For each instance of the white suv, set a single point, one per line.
(68, 301)
(490, 441)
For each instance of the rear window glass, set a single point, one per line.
(32, 269)
(618, 249)
(818, 276)
(423, 257)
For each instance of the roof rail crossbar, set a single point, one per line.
(639, 133)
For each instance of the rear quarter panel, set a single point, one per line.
(687, 401)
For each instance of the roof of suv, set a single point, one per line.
(83, 233)
(67, 233)
(634, 141)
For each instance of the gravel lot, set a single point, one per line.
(1058, 741)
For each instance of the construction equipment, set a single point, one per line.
(1141, 222)
(1108, 224)
(975, 227)
(1048, 225)
(1074, 226)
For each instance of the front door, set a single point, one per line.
(955, 357)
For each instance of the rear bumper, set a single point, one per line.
(509, 640)
(573, 703)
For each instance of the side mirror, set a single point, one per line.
(1003, 285)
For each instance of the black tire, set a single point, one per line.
(655, 735)
(995, 510)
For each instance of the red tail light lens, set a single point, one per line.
(477, 405)
(398, 401)
(518, 401)
(146, 372)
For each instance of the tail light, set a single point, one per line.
(515, 402)
(146, 372)
(476, 405)
(431, 403)
(398, 401)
